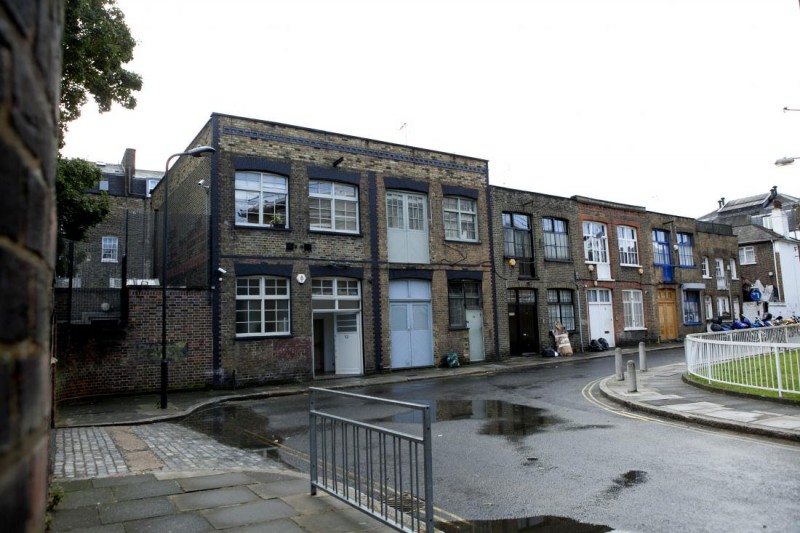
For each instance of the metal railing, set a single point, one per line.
(759, 358)
(382, 472)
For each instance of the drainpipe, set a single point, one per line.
(580, 315)
(775, 270)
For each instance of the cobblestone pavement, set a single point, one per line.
(93, 452)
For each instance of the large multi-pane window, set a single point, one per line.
(747, 255)
(462, 295)
(110, 250)
(262, 199)
(691, 307)
(460, 219)
(262, 306)
(517, 242)
(685, 249)
(633, 309)
(556, 239)
(628, 245)
(595, 242)
(333, 206)
(560, 309)
(335, 294)
(661, 254)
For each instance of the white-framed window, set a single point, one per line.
(633, 309)
(737, 308)
(460, 219)
(723, 307)
(151, 184)
(110, 250)
(685, 249)
(556, 239)
(628, 243)
(719, 273)
(595, 242)
(114, 283)
(462, 295)
(63, 283)
(103, 185)
(709, 307)
(262, 306)
(747, 255)
(706, 268)
(262, 199)
(333, 206)
(334, 294)
(732, 268)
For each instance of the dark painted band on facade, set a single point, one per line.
(464, 274)
(375, 273)
(334, 174)
(259, 163)
(405, 184)
(216, 301)
(455, 190)
(262, 269)
(323, 271)
(410, 274)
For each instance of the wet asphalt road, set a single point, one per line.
(534, 443)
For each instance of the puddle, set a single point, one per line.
(538, 524)
(631, 478)
(240, 428)
(501, 418)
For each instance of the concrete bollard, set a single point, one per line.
(618, 364)
(642, 358)
(631, 376)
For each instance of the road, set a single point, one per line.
(542, 443)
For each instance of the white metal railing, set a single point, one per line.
(758, 358)
(385, 473)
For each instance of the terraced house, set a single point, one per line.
(294, 254)
(329, 254)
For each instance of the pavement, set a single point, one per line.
(121, 464)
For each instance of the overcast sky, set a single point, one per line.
(666, 104)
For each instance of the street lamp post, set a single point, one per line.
(194, 152)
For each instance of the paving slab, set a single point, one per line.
(696, 406)
(72, 519)
(181, 523)
(783, 422)
(282, 488)
(733, 414)
(148, 489)
(215, 481)
(135, 510)
(283, 525)
(87, 498)
(249, 513)
(209, 499)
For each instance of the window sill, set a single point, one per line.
(635, 329)
(460, 241)
(257, 227)
(334, 232)
(459, 328)
(555, 260)
(263, 337)
(693, 324)
(627, 265)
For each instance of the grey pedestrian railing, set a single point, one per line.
(758, 358)
(385, 473)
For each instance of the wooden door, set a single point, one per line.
(667, 314)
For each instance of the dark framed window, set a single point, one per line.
(517, 243)
(560, 308)
(556, 239)
(691, 307)
(262, 199)
(262, 306)
(462, 295)
(661, 254)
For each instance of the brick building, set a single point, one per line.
(329, 254)
(767, 229)
(604, 270)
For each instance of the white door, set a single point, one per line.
(411, 323)
(407, 227)
(601, 315)
(475, 326)
(347, 344)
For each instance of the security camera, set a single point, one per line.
(201, 182)
(222, 270)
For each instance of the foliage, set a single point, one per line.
(77, 211)
(97, 43)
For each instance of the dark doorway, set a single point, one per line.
(523, 322)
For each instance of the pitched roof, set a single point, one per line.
(753, 233)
